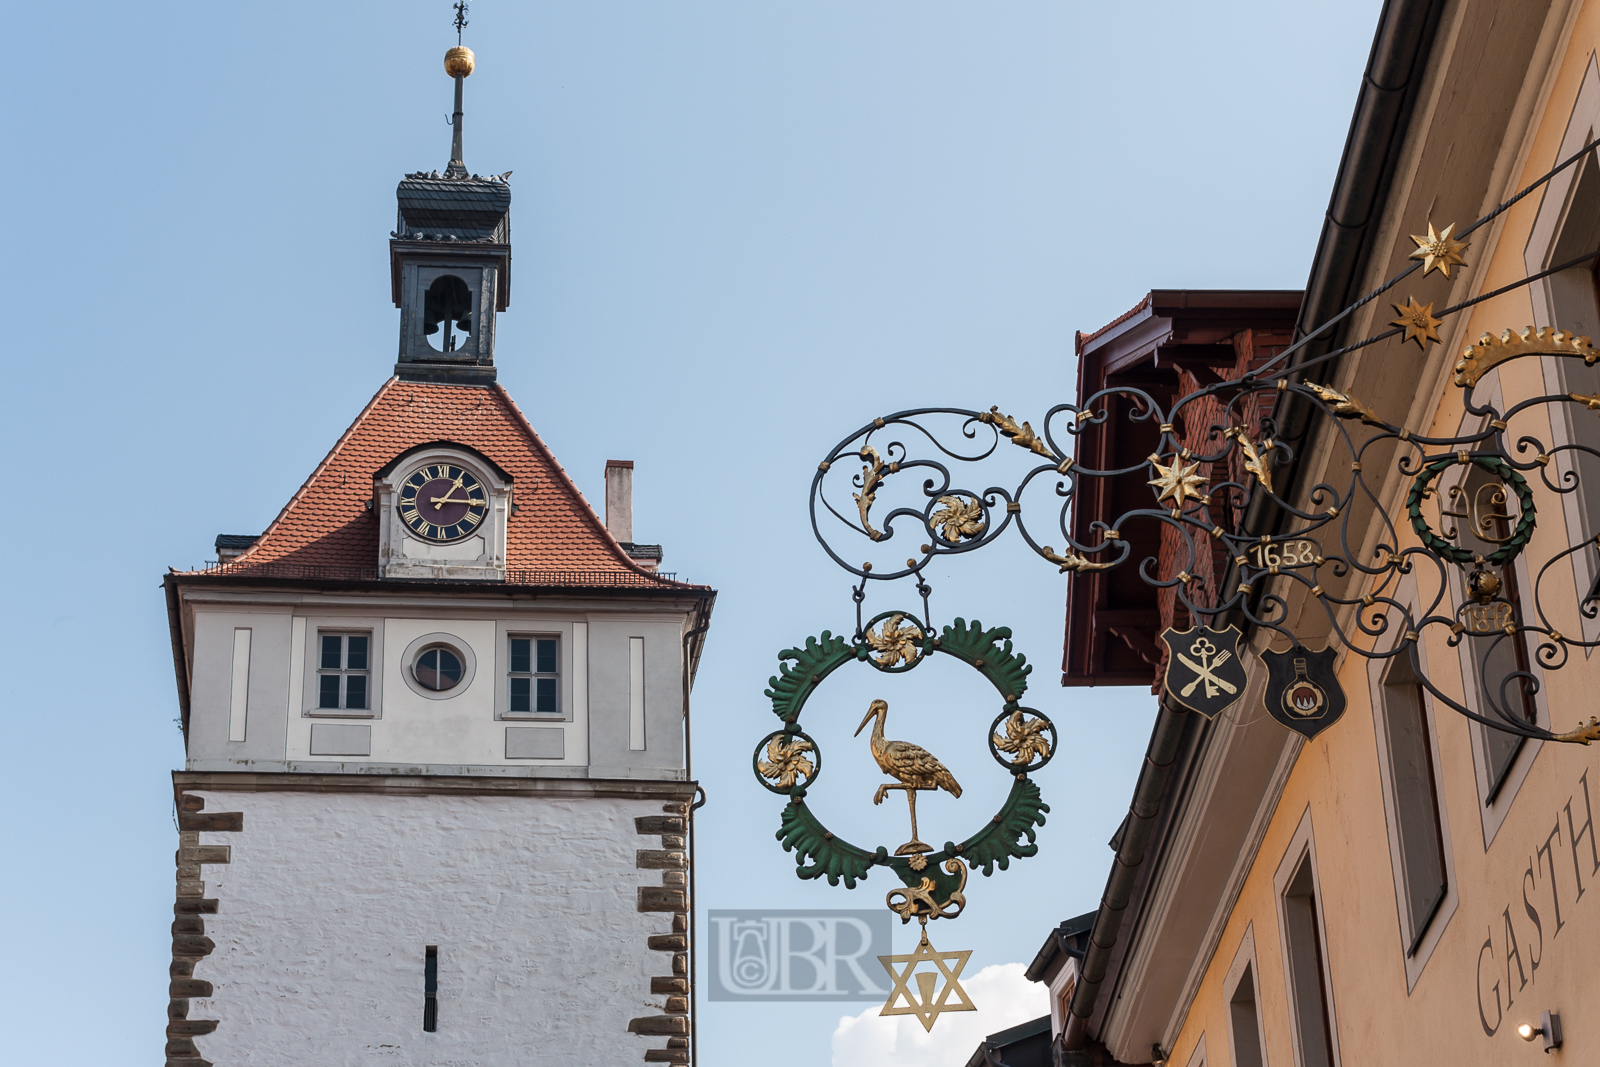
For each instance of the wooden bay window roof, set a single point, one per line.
(1172, 342)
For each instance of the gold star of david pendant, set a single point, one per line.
(933, 1000)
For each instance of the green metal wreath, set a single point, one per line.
(787, 761)
(1495, 465)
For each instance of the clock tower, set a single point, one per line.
(436, 804)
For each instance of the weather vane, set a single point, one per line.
(461, 18)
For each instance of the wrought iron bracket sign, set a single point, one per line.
(886, 502)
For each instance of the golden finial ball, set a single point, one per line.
(458, 61)
(1484, 584)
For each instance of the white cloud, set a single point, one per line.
(1001, 994)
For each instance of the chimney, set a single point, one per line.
(231, 546)
(619, 514)
(619, 499)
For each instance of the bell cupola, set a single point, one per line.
(450, 261)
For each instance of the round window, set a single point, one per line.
(438, 669)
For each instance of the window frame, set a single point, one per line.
(1497, 791)
(344, 673)
(1060, 989)
(1302, 853)
(1244, 963)
(1549, 226)
(534, 675)
(316, 627)
(571, 690)
(420, 646)
(1416, 942)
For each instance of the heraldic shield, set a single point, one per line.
(1204, 672)
(1302, 692)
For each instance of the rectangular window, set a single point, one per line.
(1414, 797)
(535, 676)
(430, 990)
(1567, 226)
(343, 671)
(1497, 660)
(1244, 1021)
(1244, 1015)
(1574, 304)
(1308, 985)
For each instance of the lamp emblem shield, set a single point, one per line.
(1204, 672)
(1302, 691)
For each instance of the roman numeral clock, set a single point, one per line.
(442, 502)
(442, 510)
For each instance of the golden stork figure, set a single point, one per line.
(915, 767)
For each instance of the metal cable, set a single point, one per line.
(1392, 282)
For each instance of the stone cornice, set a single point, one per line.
(433, 785)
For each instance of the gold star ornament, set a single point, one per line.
(1417, 321)
(1178, 482)
(933, 999)
(1438, 251)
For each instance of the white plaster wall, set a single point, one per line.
(331, 898)
(609, 754)
(211, 683)
(460, 733)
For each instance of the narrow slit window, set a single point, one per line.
(430, 990)
(535, 676)
(1245, 1022)
(1307, 969)
(1415, 800)
(343, 672)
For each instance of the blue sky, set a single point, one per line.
(741, 230)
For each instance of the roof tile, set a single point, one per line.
(553, 531)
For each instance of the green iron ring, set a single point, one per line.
(1495, 465)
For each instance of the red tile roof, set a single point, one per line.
(554, 536)
(1080, 338)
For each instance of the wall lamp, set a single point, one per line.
(1549, 1028)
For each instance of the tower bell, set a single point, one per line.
(450, 261)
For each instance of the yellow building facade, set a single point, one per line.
(1409, 886)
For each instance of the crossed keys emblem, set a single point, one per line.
(1203, 671)
(1204, 651)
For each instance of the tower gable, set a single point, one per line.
(333, 526)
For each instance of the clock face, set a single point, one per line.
(442, 502)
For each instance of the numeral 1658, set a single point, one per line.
(1288, 554)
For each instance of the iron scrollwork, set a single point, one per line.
(1218, 447)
